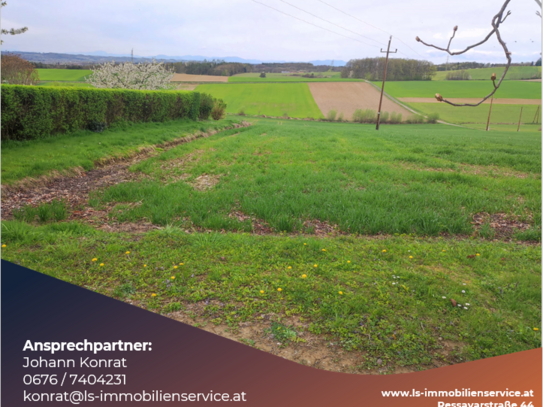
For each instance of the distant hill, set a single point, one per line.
(96, 57)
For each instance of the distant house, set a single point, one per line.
(285, 71)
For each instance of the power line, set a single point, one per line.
(371, 25)
(307, 22)
(329, 22)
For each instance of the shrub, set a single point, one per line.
(364, 116)
(458, 76)
(206, 105)
(432, 118)
(285, 115)
(415, 119)
(384, 117)
(395, 118)
(219, 109)
(18, 71)
(241, 112)
(263, 75)
(38, 112)
(340, 118)
(331, 115)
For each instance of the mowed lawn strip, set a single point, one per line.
(423, 179)
(21, 159)
(273, 99)
(397, 302)
(462, 89)
(63, 74)
(500, 113)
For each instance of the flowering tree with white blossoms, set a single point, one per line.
(148, 76)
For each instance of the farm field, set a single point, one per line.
(345, 98)
(70, 75)
(500, 113)
(273, 99)
(462, 89)
(279, 77)
(514, 73)
(183, 77)
(319, 233)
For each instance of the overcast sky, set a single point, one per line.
(244, 28)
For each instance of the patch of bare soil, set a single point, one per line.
(346, 97)
(504, 225)
(311, 350)
(259, 226)
(497, 101)
(205, 182)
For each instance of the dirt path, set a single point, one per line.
(183, 77)
(347, 97)
(475, 100)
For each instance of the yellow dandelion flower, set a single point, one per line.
(289, 267)
(536, 329)
(127, 253)
(305, 244)
(174, 267)
(304, 276)
(173, 277)
(315, 265)
(101, 264)
(145, 265)
(384, 251)
(323, 250)
(341, 293)
(279, 289)
(261, 291)
(153, 295)
(410, 257)
(444, 250)
(95, 259)
(180, 264)
(478, 254)
(3, 245)
(348, 261)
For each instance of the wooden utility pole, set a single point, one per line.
(520, 118)
(536, 117)
(489, 112)
(384, 79)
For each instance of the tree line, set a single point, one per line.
(213, 67)
(398, 69)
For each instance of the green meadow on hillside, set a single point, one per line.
(273, 99)
(462, 89)
(514, 73)
(335, 231)
(500, 113)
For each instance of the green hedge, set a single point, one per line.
(32, 112)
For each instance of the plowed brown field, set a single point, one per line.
(183, 77)
(347, 97)
(497, 101)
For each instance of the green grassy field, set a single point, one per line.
(273, 99)
(514, 73)
(67, 84)
(462, 89)
(21, 159)
(76, 75)
(278, 77)
(285, 173)
(387, 293)
(500, 113)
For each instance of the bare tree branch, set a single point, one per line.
(496, 21)
(538, 13)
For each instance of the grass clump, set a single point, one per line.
(364, 116)
(432, 118)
